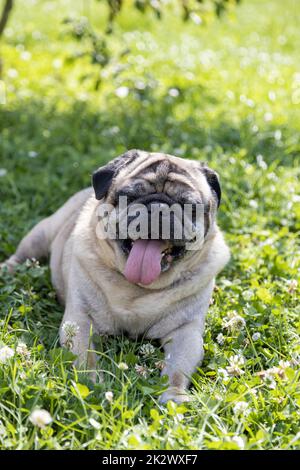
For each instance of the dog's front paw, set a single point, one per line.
(4, 267)
(174, 394)
(9, 265)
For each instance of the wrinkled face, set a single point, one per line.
(161, 209)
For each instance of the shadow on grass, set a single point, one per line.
(50, 154)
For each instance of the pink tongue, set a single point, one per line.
(143, 263)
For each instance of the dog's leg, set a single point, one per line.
(75, 334)
(183, 352)
(35, 244)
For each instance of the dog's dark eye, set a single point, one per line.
(139, 188)
(125, 193)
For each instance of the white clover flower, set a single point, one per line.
(241, 408)
(147, 349)
(32, 154)
(3, 172)
(32, 263)
(114, 130)
(140, 85)
(267, 117)
(6, 353)
(123, 366)
(122, 92)
(253, 392)
(295, 359)
(280, 370)
(70, 329)
(237, 359)
(174, 92)
(12, 73)
(292, 286)
(234, 322)
(109, 396)
(220, 339)
(160, 365)
(224, 374)
(253, 203)
(195, 18)
(25, 55)
(248, 294)
(284, 364)
(256, 336)
(94, 423)
(218, 396)
(3, 431)
(269, 380)
(235, 364)
(141, 370)
(22, 349)
(269, 375)
(239, 441)
(40, 418)
(57, 63)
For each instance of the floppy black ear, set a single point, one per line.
(102, 179)
(213, 181)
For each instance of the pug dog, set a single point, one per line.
(156, 286)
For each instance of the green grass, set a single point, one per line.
(237, 108)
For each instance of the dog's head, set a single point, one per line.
(160, 210)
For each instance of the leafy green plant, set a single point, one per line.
(97, 46)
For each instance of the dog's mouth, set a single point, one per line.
(167, 232)
(147, 259)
